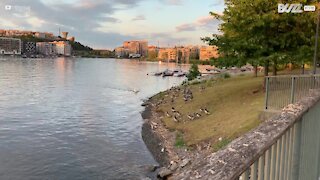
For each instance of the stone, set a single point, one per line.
(173, 166)
(151, 168)
(185, 162)
(164, 172)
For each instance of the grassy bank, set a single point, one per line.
(233, 104)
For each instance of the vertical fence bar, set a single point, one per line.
(296, 151)
(278, 157)
(273, 161)
(253, 173)
(261, 167)
(267, 164)
(282, 154)
(293, 80)
(245, 175)
(267, 92)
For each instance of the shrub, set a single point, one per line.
(193, 72)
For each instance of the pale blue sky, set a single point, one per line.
(106, 23)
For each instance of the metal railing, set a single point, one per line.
(295, 155)
(284, 90)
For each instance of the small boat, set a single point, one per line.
(180, 74)
(167, 73)
(158, 73)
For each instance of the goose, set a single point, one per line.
(206, 111)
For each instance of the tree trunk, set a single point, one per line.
(255, 71)
(302, 68)
(275, 67)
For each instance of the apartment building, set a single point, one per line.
(10, 46)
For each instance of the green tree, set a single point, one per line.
(193, 72)
(254, 32)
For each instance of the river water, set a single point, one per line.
(75, 118)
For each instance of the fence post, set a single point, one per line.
(267, 93)
(292, 89)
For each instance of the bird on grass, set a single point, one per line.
(167, 114)
(175, 119)
(190, 117)
(197, 115)
(206, 111)
(173, 109)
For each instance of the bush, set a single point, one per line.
(225, 75)
(193, 72)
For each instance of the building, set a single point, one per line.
(120, 52)
(63, 48)
(46, 48)
(64, 35)
(40, 35)
(208, 52)
(10, 46)
(29, 48)
(153, 52)
(136, 47)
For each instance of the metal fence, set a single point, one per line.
(284, 90)
(294, 156)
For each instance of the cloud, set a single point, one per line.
(205, 23)
(139, 18)
(186, 27)
(80, 18)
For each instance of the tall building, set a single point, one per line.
(10, 46)
(208, 52)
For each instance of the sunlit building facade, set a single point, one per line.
(208, 52)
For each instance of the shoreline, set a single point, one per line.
(160, 141)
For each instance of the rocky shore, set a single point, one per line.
(161, 143)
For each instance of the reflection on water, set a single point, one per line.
(75, 118)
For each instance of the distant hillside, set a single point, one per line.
(80, 47)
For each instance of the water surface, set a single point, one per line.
(75, 118)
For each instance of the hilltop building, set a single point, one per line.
(10, 46)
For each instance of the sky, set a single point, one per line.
(105, 24)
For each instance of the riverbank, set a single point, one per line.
(191, 121)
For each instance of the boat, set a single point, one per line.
(180, 74)
(158, 73)
(167, 73)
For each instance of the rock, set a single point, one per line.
(150, 168)
(164, 172)
(184, 163)
(220, 139)
(173, 166)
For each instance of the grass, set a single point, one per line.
(179, 140)
(234, 105)
(221, 144)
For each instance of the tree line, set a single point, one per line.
(254, 32)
